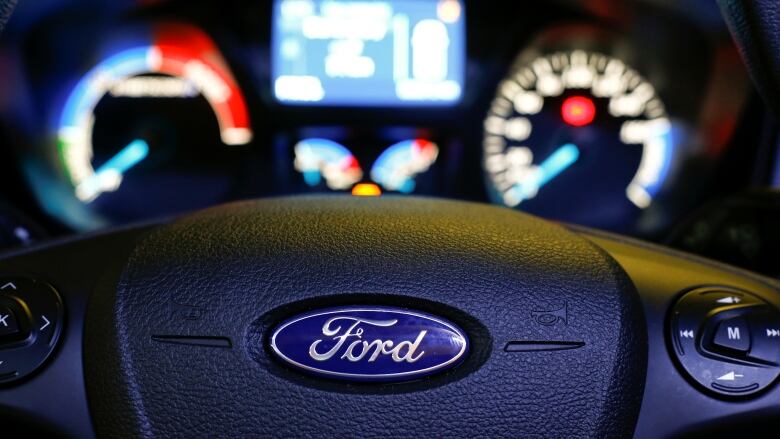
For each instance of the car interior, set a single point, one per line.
(389, 218)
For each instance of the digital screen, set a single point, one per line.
(368, 53)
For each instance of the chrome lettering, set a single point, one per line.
(353, 348)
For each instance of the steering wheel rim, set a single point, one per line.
(755, 25)
(6, 8)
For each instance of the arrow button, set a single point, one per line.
(765, 331)
(8, 323)
(46, 323)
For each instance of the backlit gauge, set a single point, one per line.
(577, 136)
(396, 168)
(323, 161)
(328, 165)
(154, 115)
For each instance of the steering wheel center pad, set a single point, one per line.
(557, 334)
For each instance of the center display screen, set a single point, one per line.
(368, 53)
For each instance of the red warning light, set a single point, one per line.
(578, 111)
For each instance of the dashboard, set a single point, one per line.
(623, 116)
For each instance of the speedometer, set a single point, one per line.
(578, 136)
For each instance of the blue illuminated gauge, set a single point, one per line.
(397, 166)
(325, 161)
(577, 136)
(326, 164)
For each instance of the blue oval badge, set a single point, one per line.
(369, 343)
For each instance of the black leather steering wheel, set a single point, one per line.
(201, 327)
(6, 7)
(755, 26)
(166, 329)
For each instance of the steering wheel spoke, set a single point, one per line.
(712, 352)
(43, 298)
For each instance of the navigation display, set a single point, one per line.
(368, 53)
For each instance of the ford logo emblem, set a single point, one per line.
(369, 343)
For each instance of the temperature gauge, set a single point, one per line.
(327, 164)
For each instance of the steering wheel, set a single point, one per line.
(369, 317)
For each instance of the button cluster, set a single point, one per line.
(31, 314)
(727, 341)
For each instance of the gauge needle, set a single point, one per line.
(556, 163)
(109, 176)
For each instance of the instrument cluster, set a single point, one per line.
(614, 116)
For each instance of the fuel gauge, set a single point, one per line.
(326, 164)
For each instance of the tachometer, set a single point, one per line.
(578, 136)
(149, 120)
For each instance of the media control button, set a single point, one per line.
(726, 341)
(765, 333)
(31, 316)
(733, 334)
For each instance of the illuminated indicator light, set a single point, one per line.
(397, 166)
(108, 177)
(449, 11)
(366, 190)
(578, 111)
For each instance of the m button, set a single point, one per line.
(8, 323)
(733, 334)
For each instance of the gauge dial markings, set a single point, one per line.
(578, 79)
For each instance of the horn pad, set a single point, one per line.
(180, 342)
